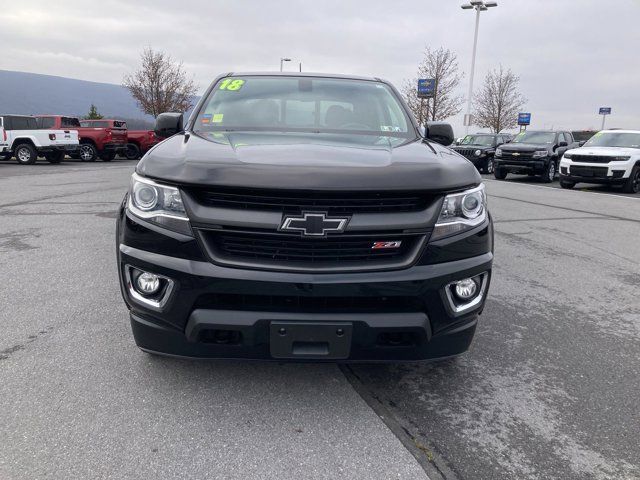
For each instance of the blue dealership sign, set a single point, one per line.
(426, 87)
(605, 111)
(524, 119)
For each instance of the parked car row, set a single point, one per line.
(26, 138)
(606, 157)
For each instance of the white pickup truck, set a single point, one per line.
(20, 137)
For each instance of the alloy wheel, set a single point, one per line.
(552, 171)
(86, 153)
(24, 155)
(490, 165)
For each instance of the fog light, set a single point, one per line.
(466, 289)
(148, 283)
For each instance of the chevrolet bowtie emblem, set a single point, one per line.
(313, 224)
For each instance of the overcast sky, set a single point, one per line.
(572, 56)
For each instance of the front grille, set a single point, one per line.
(279, 250)
(516, 155)
(466, 152)
(298, 201)
(584, 171)
(591, 158)
(309, 303)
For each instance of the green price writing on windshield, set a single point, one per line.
(231, 84)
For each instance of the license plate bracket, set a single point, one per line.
(313, 340)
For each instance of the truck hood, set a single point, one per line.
(524, 147)
(306, 161)
(613, 151)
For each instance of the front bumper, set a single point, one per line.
(536, 166)
(609, 174)
(393, 315)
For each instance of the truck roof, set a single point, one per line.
(304, 74)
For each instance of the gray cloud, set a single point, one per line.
(572, 56)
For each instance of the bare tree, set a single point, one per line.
(160, 85)
(498, 102)
(441, 65)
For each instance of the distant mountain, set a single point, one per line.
(32, 93)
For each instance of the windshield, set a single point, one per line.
(534, 137)
(614, 139)
(486, 140)
(303, 104)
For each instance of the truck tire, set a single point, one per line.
(549, 173)
(107, 156)
(54, 157)
(567, 184)
(500, 173)
(26, 154)
(632, 185)
(87, 152)
(133, 151)
(489, 166)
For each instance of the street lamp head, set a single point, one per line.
(466, 6)
(285, 59)
(490, 4)
(476, 3)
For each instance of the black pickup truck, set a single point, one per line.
(304, 217)
(533, 152)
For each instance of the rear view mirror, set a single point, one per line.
(439, 132)
(168, 124)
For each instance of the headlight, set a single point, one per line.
(159, 204)
(478, 153)
(540, 154)
(568, 156)
(620, 159)
(498, 152)
(460, 212)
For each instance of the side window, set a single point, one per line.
(569, 137)
(69, 122)
(46, 122)
(22, 123)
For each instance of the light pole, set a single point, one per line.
(478, 6)
(282, 60)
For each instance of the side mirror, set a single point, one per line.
(168, 124)
(563, 144)
(439, 132)
(581, 143)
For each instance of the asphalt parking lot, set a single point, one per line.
(550, 388)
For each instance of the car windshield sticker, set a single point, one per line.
(389, 128)
(231, 84)
(206, 118)
(217, 118)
